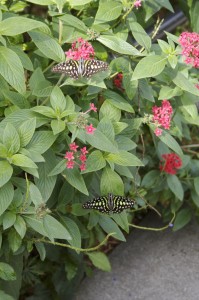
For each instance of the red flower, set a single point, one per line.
(80, 49)
(171, 163)
(158, 131)
(117, 81)
(83, 150)
(190, 47)
(92, 107)
(70, 164)
(82, 157)
(90, 129)
(138, 3)
(162, 115)
(73, 147)
(69, 156)
(82, 167)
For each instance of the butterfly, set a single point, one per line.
(109, 204)
(78, 68)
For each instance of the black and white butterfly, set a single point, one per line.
(109, 204)
(78, 68)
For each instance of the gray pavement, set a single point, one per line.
(149, 266)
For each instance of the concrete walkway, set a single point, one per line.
(149, 266)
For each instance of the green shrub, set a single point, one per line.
(141, 141)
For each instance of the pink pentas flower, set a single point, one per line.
(138, 3)
(84, 150)
(70, 164)
(90, 129)
(92, 107)
(80, 49)
(189, 42)
(73, 147)
(158, 131)
(82, 157)
(197, 86)
(162, 116)
(170, 163)
(82, 167)
(69, 156)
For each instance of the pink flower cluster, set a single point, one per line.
(138, 3)
(74, 155)
(189, 42)
(170, 163)
(162, 116)
(89, 128)
(80, 49)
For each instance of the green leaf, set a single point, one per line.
(149, 66)
(106, 127)
(75, 179)
(57, 100)
(8, 219)
(41, 141)
(3, 151)
(109, 110)
(140, 35)
(17, 25)
(35, 195)
(167, 92)
(57, 126)
(23, 161)
(42, 2)
(151, 179)
(45, 110)
(194, 8)
(109, 226)
(108, 11)
(122, 220)
(5, 296)
(59, 168)
(6, 171)
(100, 260)
(42, 251)
(16, 99)
(7, 272)
(46, 183)
(78, 210)
(185, 84)
(14, 240)
(26, 131)
(124, 158)
(168, 140)
(55, 229)
(189, 106)
(118, 101)
(11, 139)
(183, 218)
(24, 58)
(74, 22)
(73, 231)
(111, 182)
(95, 162)
(125, 143)
(48, 46)
(36, 224)
(116, 44)
(74, 3)
(175, 186)
(11, 69)
(6, 196)
(20, 226)
(196, 184)
(100, 141)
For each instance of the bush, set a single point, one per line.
(129, 130)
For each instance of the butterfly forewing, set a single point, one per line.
(110, 203)
(84, 68)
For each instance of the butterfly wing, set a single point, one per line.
(70, 68)
(93, 66)
(99, 204)
(121, 203)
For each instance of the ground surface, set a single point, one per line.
(149, 266)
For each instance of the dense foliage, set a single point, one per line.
(129, 130)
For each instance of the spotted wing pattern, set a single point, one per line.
(84, 68)
(93, 66)
(110, 203)
(70, 68)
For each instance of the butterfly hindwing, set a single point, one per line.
(78, 68)
(109, 204)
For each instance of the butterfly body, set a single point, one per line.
(80, 68)
(109, 204)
